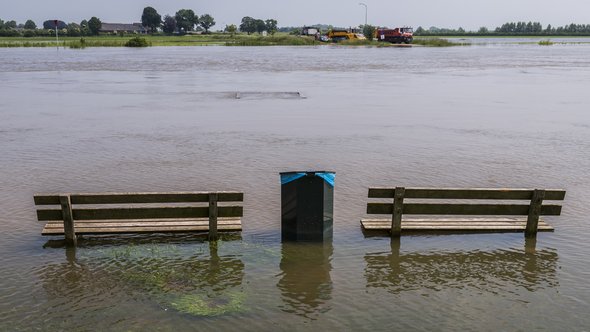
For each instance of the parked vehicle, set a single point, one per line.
(395, 36)
(310, 31)
(337, 35)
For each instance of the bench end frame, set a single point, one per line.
(398, 209)
(68, 219)
(534, 213)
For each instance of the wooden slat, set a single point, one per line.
(470, 224)
(462, 209)
(138, 213)
(46, 215)
(453, 219)
(146, 229)
(143, 222)
(139, 198)
(474, 193)
(143, 226)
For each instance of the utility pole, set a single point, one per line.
(366, 10)
(56, 37)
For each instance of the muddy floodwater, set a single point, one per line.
(231, 118)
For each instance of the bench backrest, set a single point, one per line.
(142, 206)
(164, 208)
(464, 208)
(534, 207)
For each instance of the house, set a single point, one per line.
(309, 31)
(123, 28)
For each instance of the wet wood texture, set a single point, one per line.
(446, 205)
(138, 213)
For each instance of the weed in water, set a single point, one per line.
(137, 42)
(215, 305)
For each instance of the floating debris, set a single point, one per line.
(268, 95)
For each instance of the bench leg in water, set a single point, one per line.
(532, 222)
(213, 198)
(66, 211)
(398, 208)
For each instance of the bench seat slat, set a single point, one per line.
(462, 193)
(457, 224)
(142, 222)
(117, 226)
(462, 209)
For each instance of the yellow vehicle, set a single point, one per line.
(337, 35)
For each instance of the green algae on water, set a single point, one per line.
(204, 305)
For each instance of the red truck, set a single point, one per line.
(395, 36)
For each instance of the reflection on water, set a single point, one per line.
(305, 284)
(140, 121)
(202, 284)
(484, 271)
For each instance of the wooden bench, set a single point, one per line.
(448, 215)
(109, 213)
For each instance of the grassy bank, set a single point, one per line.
(114, 41)
(187, 40)
(280, 39)
(436, 42)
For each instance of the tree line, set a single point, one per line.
(511, 29)
(251, 25)
(182, 22)
(29, 28)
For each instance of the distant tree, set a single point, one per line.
(206, 21)
(549, 30)
(461, 30)
(94, 24)
(151, 19)
(231, 29)
(368, 31)
(248, 25)
(186, 20)
(84, 31)
(260, 25)
(419, 31)
(483, 30)
(50, 25)
(271, 26)
(10, 25)
(1, 25)
(73, 30)
(30, 25)
(169, 25)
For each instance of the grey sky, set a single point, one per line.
(469, 14)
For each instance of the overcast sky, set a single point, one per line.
(469, 14)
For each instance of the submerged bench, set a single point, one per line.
(447, 214)
(111, 213)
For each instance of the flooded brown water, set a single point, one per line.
(167, 119)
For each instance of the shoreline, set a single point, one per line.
(251, 40)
